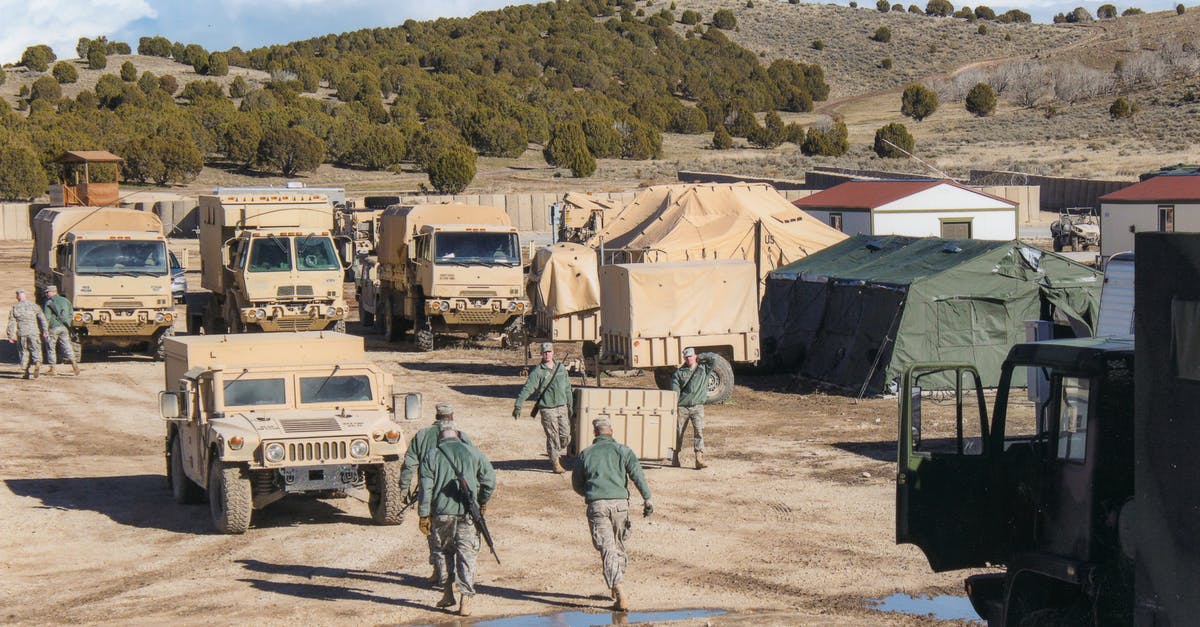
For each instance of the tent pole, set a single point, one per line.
(879, 354)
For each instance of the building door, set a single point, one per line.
(957, 228)
(835, 220)
(1166, 218)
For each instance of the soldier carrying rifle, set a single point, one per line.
(553, 400)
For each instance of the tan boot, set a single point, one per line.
(37, 369)
(75, 368)
(620, 602)
(447, 596)
(51, 371)
(464, 606)
(558, 468)
(700, 460)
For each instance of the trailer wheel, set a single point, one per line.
(229, 497)
(720, 379)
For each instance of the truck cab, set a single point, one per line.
(1041, 489)
(285, 280)
(253, 418)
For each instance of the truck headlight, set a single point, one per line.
(359, 448)
(331, 312)
(87, 318)
(159, 317)
(512, 305)
(262, 314)
(274, 452)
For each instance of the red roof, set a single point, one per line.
(872, 194)
(1164, 188)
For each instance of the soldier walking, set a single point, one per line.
(420, 447)
(551, 387)
(691, 382)
(445, 510)
(602, 478)
(58, 312)
(27, 327)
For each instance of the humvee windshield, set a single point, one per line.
(270, 254)
(250, 392)
(477, 247)
(132, 257)
(316, 253)
(336, 389)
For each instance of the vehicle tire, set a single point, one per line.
(229, 497)
(391, 328)
(663, 376)
(424, 340)
(183, 490)
(339, 326)
(366, 318)
(233, 320)
(386, 499)
(720, 379)
(160, 343)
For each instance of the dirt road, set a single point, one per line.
(792, 523)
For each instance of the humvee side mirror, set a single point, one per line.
(168, 405)
(406, 405)
(915, 405)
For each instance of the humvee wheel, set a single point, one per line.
(340, 326)
(159, 346)
(424, 339)
(229, 497)
(720, 380)
(183, 490)
(386, 498)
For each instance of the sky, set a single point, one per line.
(222, 24)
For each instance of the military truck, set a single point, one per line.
(270, 263)
(650, 312)
(112, 265)
(443, 269)
(253, 418)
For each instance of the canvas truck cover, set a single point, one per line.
(578, 207)
(262, 211)
(234, 352)
(731, 221)
(679, 299)
(51, 224)
(399, 224)
(565, 279)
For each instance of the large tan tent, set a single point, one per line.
(564, 279)
(748, 221)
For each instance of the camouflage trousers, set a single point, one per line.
(556, 421)
(437, 560)
(609, 522)
(59, 343)
(458, 541)
(694, 414)
(29, 350)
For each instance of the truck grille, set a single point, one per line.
(290, 291)
(122, 304)
(317, 451)
(295, 325)
(475, 316)
(120, 328)
(294, 425)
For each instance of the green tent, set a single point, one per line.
(856, 313)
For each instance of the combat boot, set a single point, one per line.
(700, 460)
(37, 369)
(75, 368)
(51, 371)
(464, 606)
(437, 579)
(620, 603)
(26, 375)
(558, 469)
(447, 596)
(675, 458)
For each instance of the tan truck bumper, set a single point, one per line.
(119, 323)
(307, 317)
(476, 311)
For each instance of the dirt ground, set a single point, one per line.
(793, 522)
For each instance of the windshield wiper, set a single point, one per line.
(317, 394)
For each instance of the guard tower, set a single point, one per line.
(83, 184)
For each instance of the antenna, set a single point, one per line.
(916, 158)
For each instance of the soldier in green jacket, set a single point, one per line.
(691, 381)
(445, 514)
(602, 478)
(58, 312)
(551, 389)
(419, 448)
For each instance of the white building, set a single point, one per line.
(1167, 202)
(918, 208)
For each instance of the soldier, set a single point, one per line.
(551, 387)
(602, 478)
(444, 510)
(27, 327)
(58, 312)
(420, 447)
(691, 381)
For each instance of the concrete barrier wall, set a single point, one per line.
(15, 218)
(717, 177)
(1056, 192)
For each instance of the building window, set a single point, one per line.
(956, 228)
(1166, 218)
(835, 220)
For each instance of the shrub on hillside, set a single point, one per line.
(239, 137)
(982, 30)
(218, 64)
(45, 88)
(118, 47)
(1121, 108)
(918, 102)
(21, 174)
(770, 134)
(178, 160)
(828, 142)
(1131, 11)
(897, 8)
(452, 170)
(65, 72)
(601, 136)
(886, 63)
(722, 140)
(110, 91)
(1014, 16)
(640, 141)
(168, 84)
(154, 47)
(724, 19)
(965, 13)
(38, 58)
(688, 121)
(1079, 15)
(882, 34)
(1106, 12)
(985, 12)
(238, 88)
(96, 58)
(981, 100)
(900, 138)
(199, 90)
(690, 17)
(883, 6)
(817, 44)
(915, 10)
(291, 150)
(939, 8)
(128, 72)
(1180, 9)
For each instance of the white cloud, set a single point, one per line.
(60, 23)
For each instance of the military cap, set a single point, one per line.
(601, 424)
(689, 352)
(49, 289)
(547, 347)
(444, 409)
(20, 290)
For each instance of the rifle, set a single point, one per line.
(538, 403)
(472, 505)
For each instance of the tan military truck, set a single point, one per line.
(444, 268)
(112, 265)
(253, 418)
(270, 261)
(650, 312)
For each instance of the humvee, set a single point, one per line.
(253, 418)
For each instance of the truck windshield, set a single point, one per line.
(476, 247)
(251, 392)
(270, 254)
(338, 389)
(121, 257)
(316, 253)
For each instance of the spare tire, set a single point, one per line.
(720, 378)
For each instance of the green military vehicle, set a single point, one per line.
(253, 418)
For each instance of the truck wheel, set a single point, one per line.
(391, 330)
(183, 490)
(663, 376)
(229, 497)
(424, 339)
(160, 343)
(386, 498)
(366, 318)
(339, 326)
(720, 380)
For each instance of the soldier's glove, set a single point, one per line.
(424, 525)
(647, 509)
(409, 497)
(516, 412)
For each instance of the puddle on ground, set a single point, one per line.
(584, 619)
(943, 607)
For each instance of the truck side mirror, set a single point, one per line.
(406, 405)
(169, 405)
(915, 405)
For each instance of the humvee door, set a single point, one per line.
(944, 501)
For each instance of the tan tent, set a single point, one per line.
(564, 279)
(748, 221)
